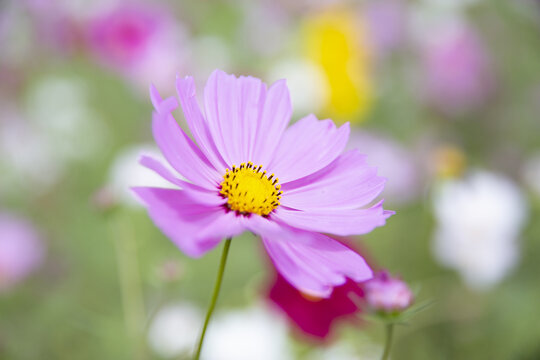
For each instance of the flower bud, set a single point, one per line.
(388, 294)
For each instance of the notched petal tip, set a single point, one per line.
(346, 127)
(280, 82)
(367, 274)
(281, 91)
(215, 72)
(162, 106)
(185, 87)
(154, 96)
(178, 76)
(385, 213)
(218, 75)
(145, 159)
(382, 179)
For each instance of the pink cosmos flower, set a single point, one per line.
(21, 250)
(246, 171)
(388, 294)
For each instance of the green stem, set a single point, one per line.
(130, 284)
(217, 286)
(388, 342)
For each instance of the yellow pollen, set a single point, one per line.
(311, 298)
(249, 190)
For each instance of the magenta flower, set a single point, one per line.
(141, 41)
(316, 316)
(246, 171)
(123, 35)
(21, 250)
(388, 294)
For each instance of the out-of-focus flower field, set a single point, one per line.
(443, 96)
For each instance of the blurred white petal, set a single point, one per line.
(126, 172)
(175, 330)
(255, 333)
(479, 221)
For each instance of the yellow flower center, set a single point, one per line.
(249, 190)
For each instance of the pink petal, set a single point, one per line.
(311, 262)
(252, 93)
(347, 183)
(195, 228)
(342, 222)
(162, 106)
(197, 123)
(273, 120)
(232, 114)
(244, 120)
(180, 151)
(177, 147)
(200, 194)
(306, 147)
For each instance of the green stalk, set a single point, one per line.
(130, 284)
(388, 342)
(215, 295)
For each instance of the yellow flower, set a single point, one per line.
(336, 41)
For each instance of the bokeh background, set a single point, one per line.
(443, 96)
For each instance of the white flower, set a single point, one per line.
(255, 333)
(208, 53)
(175, 330)
(28, 163)
(452, 5)
(57, 128)
(265, 26)
(346, 351)
(59, 107)
(339, 351)
(531, 173)
(444, 16)
(479, 223)
(306, 82)
(126, 172)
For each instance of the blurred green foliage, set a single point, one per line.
(72, 308)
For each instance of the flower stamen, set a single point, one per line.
(249, 190)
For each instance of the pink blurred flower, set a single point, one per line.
(394, 161)
(141, 41)
(386, 24)
(457, 68)
(54, 25)
(21, 250)
(388, 294)
(242, 138)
